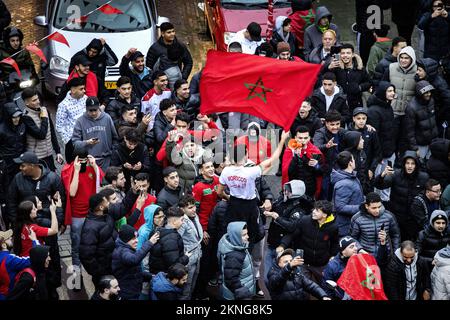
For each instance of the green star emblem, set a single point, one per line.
(371, 281)
(254, 94)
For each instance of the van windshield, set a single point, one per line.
(254, 4)
(135, 16)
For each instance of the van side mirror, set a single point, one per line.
(40, 21)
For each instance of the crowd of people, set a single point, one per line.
(164, 203)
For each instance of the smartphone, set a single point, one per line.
(337, 56)
(95, 139)
(382, 227)
(389, 163)
(299, 253)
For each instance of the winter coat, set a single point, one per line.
(168, 197)
(404, 188)
(438, 165)
(420, 123)
(395, 279)
(354, 81)
(115, 106)
(126, 267)
(11, 265)
(403, 80)
(316, 56)
(339, 103)
(122, 155)
(147, 229)
(98, 237)
(236, 265)
(319, 242)
(168, 250)
(5, 17)
(440, 277)
(333, 271)
(437, 36)
(191, 106)
(377, 53)
(291, 284)
(22, 187)
(421, 210)
(140, 84)
(347, 197)
(381, 117)
(105, 58)
(163, 289)
(159, 48)
(313, 123)
(430, 241)
(192, 234)
(382, 67)
(320, 140)
(442, 93)
(22, 58)
(372, 146)
(278, 36)
(12, 138)
(364, 227)
(445, 199)
(313, 35)
(161, 128)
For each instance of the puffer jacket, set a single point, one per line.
(437, 36)
(438, 165)
(12, 138)
(167, 251)
(347, 197)
(381, 117)
(430, 241)
(99, 234)
(404, 188)
(191, 106)
(161, 128)
(420, 122)
(126, 267)
(168, 197)
(365, 227)
(333, 272)
(163, 289)
(114, 107)
(440, 277)
(291, 284)
(236, 264)
(403, 80)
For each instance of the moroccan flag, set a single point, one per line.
(361, 278)
(35, 49)
(270, 89)
(58, 37)
(13, 64)
(108, 9)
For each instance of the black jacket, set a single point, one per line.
(339, 103)
(217, 225)
(394, 279)
(321, 138)
(161, 128)
(300, 170)
(372, 147)
(190, 106)
(99, 234)
(5, 17)
(430, 241)
(421, 210)
(168, 197)
(48, 184)
(115, 106)
(276, 38)
(381, 68)
(420, 122)
(438, 165)
(381, 117)
(12, 138)
(105, 57)
(437, 36)
(313, 123)
(159, 48)
(122, 155)
(168, 250)
(319, 243)
(140, 86)
(291, 284)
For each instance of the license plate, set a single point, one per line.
(111, 85)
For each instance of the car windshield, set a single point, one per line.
(254, 3)
(134, 17)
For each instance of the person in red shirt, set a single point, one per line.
(142, 182)
(81, 180)
(258, 147)
(25, 222)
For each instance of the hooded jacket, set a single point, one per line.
(236, 264)
(404, 187)
(140, 84)
(420, 119)
(313, 123)
(321, 138)
(10, 266)
(291, 284)
(347, 197)
(437, 35)
(377, 53)
(364, 227)
(403, 80)
(279, 36)
(168, 197)
(105, 58)
(430, 241)
(438, 165)
(440, 277)
(339, 103)
(101, 128)
(126, 267)
(406, 282)
(381, 117)
(12, 138)
(382, 67)
(163, 289)
(302, 17)
(115, 106)
(372, 146)
(148, 228)
(313, 35)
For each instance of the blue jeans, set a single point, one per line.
(75, 236)
(269, 258)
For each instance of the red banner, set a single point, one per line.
(58, 37)
(13, 64)
(108, 9)
(35, 49)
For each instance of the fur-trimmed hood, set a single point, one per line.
(357, 62)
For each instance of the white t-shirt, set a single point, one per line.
(248, 46)
(241, 181)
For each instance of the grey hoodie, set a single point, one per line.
(436, 213)
(101, 128)
(411, 276)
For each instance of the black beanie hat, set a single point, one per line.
(127, 233)
(345, 242)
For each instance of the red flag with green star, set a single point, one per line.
(268, 88)
(361, 278)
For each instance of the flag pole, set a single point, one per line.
(270, 21)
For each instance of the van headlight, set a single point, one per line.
(227, 36)
(59, 64)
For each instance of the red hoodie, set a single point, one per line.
(205, 195)
(91, 83)
(287, 158)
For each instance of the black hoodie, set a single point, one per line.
(12, 138)
(350, 143)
